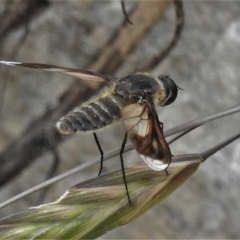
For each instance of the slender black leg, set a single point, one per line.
(161, 125)
(101, 152)
(122, 165)
(168, 165)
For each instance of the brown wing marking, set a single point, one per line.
(146, 135)
(82, 74)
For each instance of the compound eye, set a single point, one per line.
(170, 87)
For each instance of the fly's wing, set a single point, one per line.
(82, 74)
(146, 135)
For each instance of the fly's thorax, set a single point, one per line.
(137, 86)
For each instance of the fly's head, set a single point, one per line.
(167, 92)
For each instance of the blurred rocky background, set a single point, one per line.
(205, 63)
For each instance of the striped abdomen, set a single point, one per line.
(93, 115)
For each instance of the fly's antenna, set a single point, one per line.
(179, 88)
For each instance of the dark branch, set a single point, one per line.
(176, 36)
(18, 12)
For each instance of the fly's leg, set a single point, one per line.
(101, 152)
(161, 125)
(122, 166)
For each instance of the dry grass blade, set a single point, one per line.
(94, 207)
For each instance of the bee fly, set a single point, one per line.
(131, 99)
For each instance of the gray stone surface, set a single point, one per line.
(205, 64)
